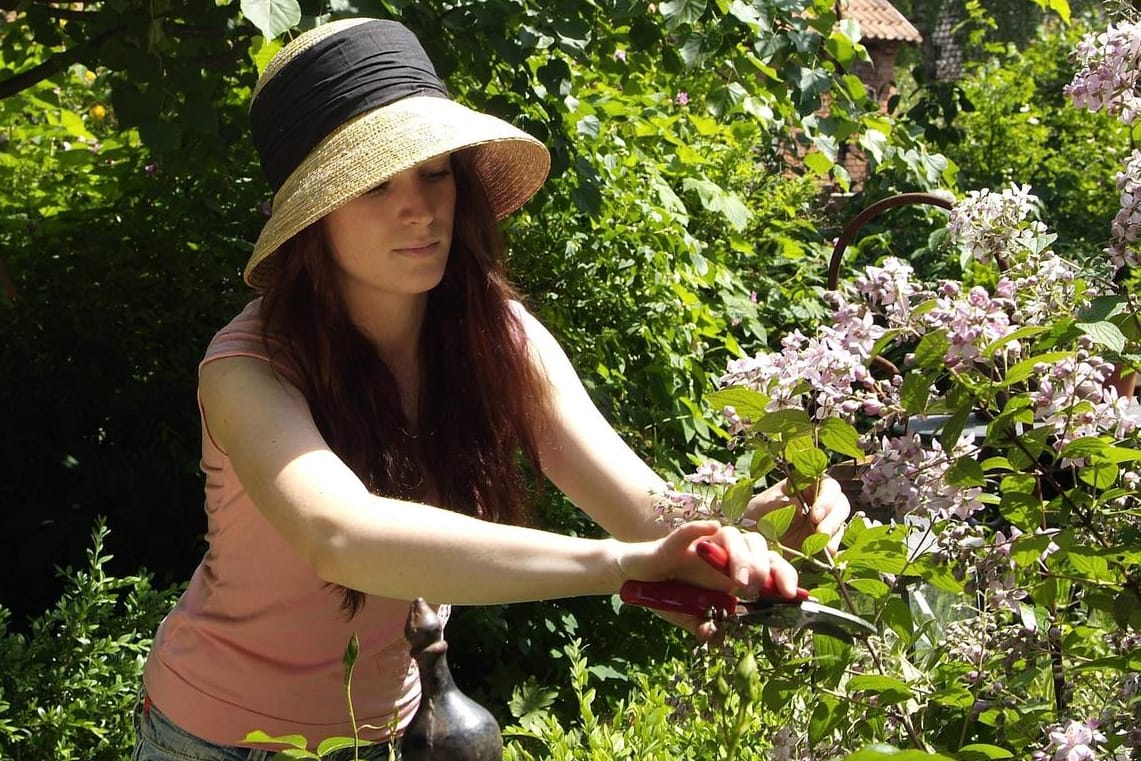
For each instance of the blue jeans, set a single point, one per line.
(157, 738)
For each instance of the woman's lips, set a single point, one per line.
(419, 249)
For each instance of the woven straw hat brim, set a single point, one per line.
(376, 146)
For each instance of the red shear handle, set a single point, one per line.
(677, 597)
(715, 556)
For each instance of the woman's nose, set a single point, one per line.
(417, 204)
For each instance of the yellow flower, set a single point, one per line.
(98, 112)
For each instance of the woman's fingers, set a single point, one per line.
(761, 558)
(824, 510)
(764, 568)
(784, 576)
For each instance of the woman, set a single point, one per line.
(363, 420)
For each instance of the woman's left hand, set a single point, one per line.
(823, 509)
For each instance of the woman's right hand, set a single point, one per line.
(752, 566)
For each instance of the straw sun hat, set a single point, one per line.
(350, 104)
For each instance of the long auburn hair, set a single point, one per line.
(481, 401)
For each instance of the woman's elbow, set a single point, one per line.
(323, 546)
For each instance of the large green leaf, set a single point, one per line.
(681, 12)
(841, 437)
(273, 18)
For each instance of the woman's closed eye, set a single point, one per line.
(436, 174)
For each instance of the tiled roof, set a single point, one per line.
(879, 20)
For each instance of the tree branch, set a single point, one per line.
(54, 64)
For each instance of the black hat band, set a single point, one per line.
(366, 66)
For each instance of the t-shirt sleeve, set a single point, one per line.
(244, 337)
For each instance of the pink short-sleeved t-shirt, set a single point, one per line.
(256, 641)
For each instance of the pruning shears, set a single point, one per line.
(769, 609)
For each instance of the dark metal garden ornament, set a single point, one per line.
(448, 725)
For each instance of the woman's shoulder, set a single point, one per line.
(246, 336)
(526, 319)
(243, 335)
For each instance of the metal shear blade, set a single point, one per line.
(805, 614)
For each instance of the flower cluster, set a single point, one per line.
(991, 225)
(836, 373)
(1075, 741)
(1126, 227)
(1110, 62)
(830, 368)
(677, 506)
(909, 477)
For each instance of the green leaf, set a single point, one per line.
(964, 472)
(679, 12)
(1100, 474)
(871, 587)
(1028, 331)
(882, 556)
(774, 525)
(840, 46)
(1086, 446)
(788, 421)
(1105, 334)
(996, 463)
(736, 499)
(814, 543)
(1024, 369)
(160, 136)
(1089, 563)
(73, 123)
(294, 741)
(749, 14)
(716, 199)
(1121, 454)
(1061, 7)
(914, 392)
(1028, 548)
(818, 163)
(937, 573)
(931, 350)
(982, 751)
(828, 714)
(1022, 509)
(744, 401)
(808, 460)
(262, 51)
(953, 429)
(530, 699)
(349, 659)
(273, 18)
(890, 689)
(954, 695)
(778, 692)
(1127, 614)
(897, 617)
(331, 744)
(841, 437)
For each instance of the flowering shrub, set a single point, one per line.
(986, 430)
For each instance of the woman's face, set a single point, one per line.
(396, 237)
